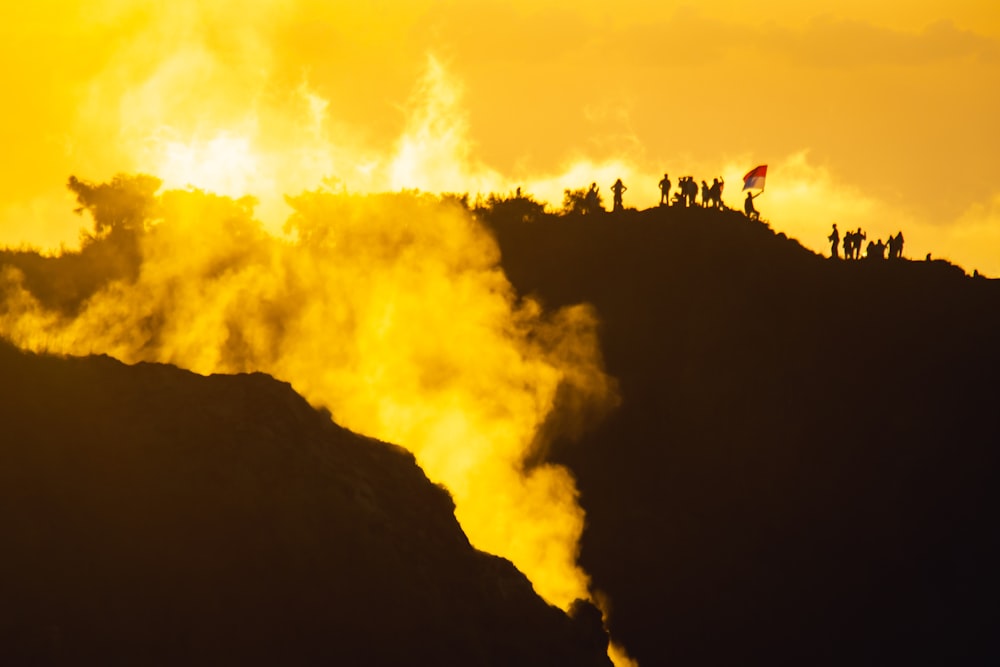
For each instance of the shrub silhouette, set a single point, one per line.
(517, 206)
(122, 205)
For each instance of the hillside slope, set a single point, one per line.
(153, 516)
(804, 466)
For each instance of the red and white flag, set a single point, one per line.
(755, 178)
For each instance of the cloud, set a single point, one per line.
(828, 43)
(695, 38)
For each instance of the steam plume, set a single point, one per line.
(391, 311)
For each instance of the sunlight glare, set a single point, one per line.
(225, 164)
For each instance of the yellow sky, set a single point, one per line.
(868, 114)
(879, 115)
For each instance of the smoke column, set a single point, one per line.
(389, 308)
(391, 311)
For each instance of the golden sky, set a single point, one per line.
(873, 114)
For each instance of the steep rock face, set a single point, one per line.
(804, 466)
(153, 516)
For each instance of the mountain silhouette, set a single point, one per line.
(157, 517)
(802, 469)
(804, 465)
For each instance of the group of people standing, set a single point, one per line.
(687, 192)
(875, 249)
(685, 196)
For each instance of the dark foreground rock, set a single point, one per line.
(805, 467)
(156, 517)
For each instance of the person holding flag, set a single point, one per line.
(754, 179)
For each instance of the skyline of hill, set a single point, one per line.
(803, 468)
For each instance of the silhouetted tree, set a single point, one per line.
(221, 220)
(456, 198)
(518, 206)
(121, 205)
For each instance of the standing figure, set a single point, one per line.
(754, 214)
(593, 200)
(715, 192)
(618, 188)
(690, 191)
(834, 239)
(664, 190)
(879, 250)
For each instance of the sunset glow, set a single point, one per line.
(873, 116)
(394, 312)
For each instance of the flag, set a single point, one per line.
(755, 178)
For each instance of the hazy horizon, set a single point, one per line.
(866, 116)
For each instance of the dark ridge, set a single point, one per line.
(152, 516)
(804, 466)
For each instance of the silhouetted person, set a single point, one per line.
(852, 244)
(834, 239)
(593, 199)
(690, 191)
(706, 195)
(753, 213)
(680, 197)
(878, 250)
(715, 192)
(664, 190)
(899, 246)
(618, 188)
